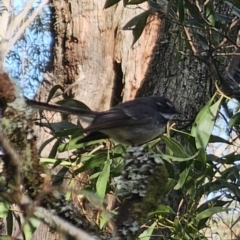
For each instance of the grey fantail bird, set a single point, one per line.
(133, 122)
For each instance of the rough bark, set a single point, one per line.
(93, 58)
(94, 61)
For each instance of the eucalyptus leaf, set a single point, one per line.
(4, 208)
(137, 25)
(209, 212)
(9, 220)
(235, 120)
(210, 13)
(95, 161)
(110, 3)
(176, 148)
(146, 235)
(53, 91)
(157, 6)
(204, 123)
(103, 179)
(182, 178)
(30, 227)
(59, 177)
(135, 2)
(233, 8)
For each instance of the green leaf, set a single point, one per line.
(54, 148)
(110, 3)
(104, 218)
(194, 12)
(158, 5)
(137, 24)
(182, 178)
(176, 148)
(212, 202)
(235, 120)
(52, 161)
(94, 199)
(73, 103)
(204, 123)
(230, 186)
(135, 2)
(147, 234)
(59, 126)
(216, 139)
(181, 12)
(162, 209)
(94, 161)
(59, 177)
(4, 208)
(9, 223)
(103, 179)
(227, 159)
(202, 40)
(209, 212)
(210, 13)
(72, 144)
(223, 18)
(53, 90)
(93, 176)
(46, 143)
(189, 139)
(30, 227)
(177, 159)
(234, 9)
(194, 23)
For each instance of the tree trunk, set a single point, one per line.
(94, 61)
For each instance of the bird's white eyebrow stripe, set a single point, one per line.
(167, 102)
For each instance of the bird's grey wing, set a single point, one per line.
(116, 118)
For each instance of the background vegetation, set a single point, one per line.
(94, 180)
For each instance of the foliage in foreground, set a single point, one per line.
(199, 173)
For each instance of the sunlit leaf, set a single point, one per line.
(103, 179)
(209, 212)
(204, 123)
(4, 208)
(146, 235)
(30, 227)
(104, 218)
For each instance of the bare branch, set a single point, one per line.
(61, 225)
(21, 30)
